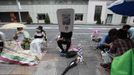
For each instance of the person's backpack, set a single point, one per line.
(71, 54)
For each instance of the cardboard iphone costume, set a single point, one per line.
(65, 19)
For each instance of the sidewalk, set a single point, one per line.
(53, 64)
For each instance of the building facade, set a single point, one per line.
(86, 11)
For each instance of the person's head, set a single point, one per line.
(40, 28)
(122, 34)
(19, 28)
(126, 27)
(112, 32)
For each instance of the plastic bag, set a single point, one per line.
(124, 64)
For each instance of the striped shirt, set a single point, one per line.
(120, 46)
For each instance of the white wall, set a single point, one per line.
(131, 21)
(50, 9)
(87, 10)
(91, 11)
(116, 20)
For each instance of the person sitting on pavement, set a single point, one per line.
(20, 36)
(130, 31)
(122, 43)
(65, 38)
(38, 44)
(104, 44)
(42, 33)
(126, 28)
(119, 46)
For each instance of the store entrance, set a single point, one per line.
(13, 16)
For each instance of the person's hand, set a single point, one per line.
(107, 45)
(110, 44)
(17, 32)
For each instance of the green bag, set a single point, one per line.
(124, 64)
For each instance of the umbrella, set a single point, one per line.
(123, 7)
(13, 25)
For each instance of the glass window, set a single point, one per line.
(79, 17)
(41, 17)
(7, 2)
(80, 1)
(124, 19)
(97, 15)
(109, 18)
(61, 1)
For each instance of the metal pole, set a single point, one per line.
(19, 10)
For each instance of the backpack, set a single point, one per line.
(71, 54)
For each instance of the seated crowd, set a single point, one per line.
(116, 42)
(23, 49)
(36, 45)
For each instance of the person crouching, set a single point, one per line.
(64, 39)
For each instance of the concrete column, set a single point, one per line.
(91, 11)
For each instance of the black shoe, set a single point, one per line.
(63, 54)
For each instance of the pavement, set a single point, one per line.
(52, 63)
